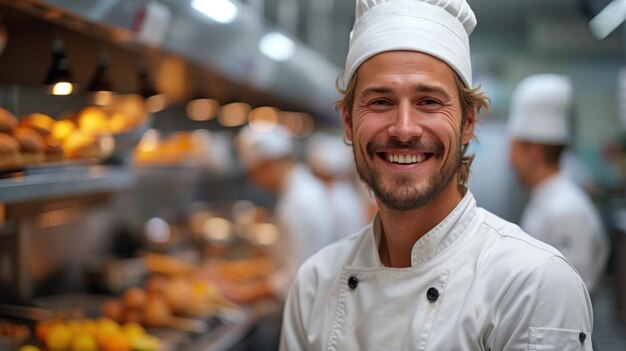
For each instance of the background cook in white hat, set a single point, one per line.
(559, 212)
(433, 271)
(301, 211)
(331, 161)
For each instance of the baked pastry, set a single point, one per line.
(52, 150)
(93, 119)
(10, 157)
(81, 145)
(62, 129)
(40, 122)
(31, 144)
(8, 122)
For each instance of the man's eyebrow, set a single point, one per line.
(375, 90)
(432, 88)
(420, 87)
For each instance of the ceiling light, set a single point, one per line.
(608, 19)
(233, 114)
(263, 119)
(217, 229)
(222, 11)
(58, 79)
(299, 124)
(202, 109)
(100, 85)
(155, 101)
(277, 46)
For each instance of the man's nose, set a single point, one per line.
(406, 124)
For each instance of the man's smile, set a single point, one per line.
(404, 158)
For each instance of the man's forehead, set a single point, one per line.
(417, 61)
(423, 72)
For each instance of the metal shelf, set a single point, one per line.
(63, 182)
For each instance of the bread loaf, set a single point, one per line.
(8, 122)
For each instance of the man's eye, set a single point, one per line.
(380, 102)
(428, 102)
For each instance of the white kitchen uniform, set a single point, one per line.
(476, 282)
(559, 213)
(304, 222)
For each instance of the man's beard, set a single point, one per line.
(402, 195)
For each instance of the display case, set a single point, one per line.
(58, 241)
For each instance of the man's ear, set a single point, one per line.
(468, 127)
(346, 116)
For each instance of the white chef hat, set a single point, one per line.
(328, 154)
(440, 28)
(263, 142)
(540, 108)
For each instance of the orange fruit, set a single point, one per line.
(105, 329)
(117, 342)
(133, 330)
(146, 343)
(84, 341)
(41, 329)
(90, 326)
(59, 337)
(29, 348)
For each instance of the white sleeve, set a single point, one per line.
(298, 308)
(546, 308)
(581, 245)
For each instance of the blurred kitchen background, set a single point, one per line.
(137, 182)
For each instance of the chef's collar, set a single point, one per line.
(441, 236)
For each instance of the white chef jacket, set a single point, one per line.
(559, 213)
(476, 282)
(304, 222)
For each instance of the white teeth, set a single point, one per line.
(406, 158)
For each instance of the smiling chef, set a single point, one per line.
(433, 271)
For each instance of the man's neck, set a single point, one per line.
(281, 174)
(543, 173)
(402, 229)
